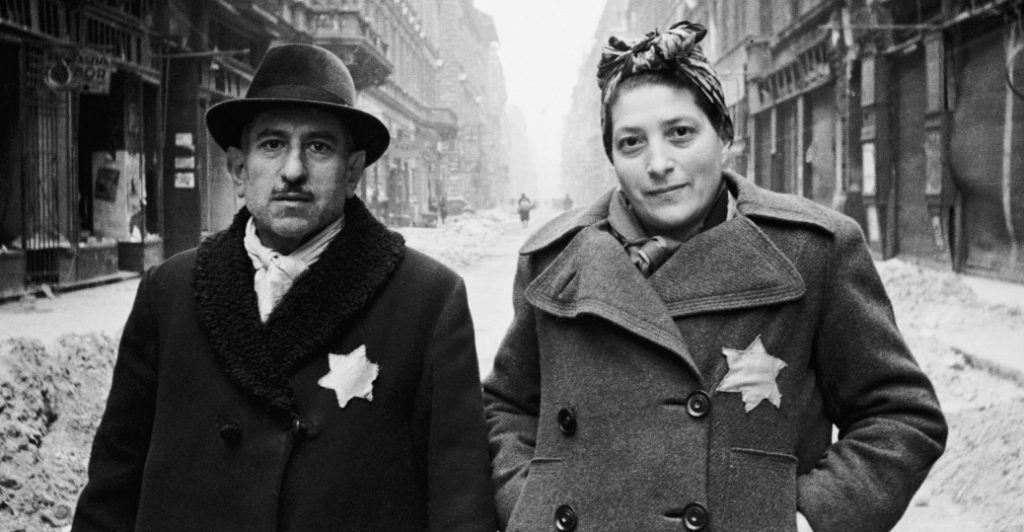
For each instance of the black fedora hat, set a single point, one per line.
(300, 74)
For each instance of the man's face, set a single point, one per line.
(668, 158)
(295, 173)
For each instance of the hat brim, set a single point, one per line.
(226, 120)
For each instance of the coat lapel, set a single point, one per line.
(732, 266)
(260, 358)
(594, 276)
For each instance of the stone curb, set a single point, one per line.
(1002, 371)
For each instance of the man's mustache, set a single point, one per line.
(291, 193)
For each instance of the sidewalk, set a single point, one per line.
(999, 350)
(996, 292)
(90, 310)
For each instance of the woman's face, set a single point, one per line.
(668, 158)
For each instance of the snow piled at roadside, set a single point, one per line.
(51, 400)
(461, 241)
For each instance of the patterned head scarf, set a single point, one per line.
(675, 51)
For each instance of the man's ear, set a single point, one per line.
(236, 167)
(354, 170)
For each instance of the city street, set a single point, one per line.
(56, 355)
(132, 131)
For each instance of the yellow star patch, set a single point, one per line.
(350, 376)
(753, 373)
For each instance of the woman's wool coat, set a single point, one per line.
(216, 421)
(609, 408)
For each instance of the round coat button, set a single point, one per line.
(695, 517)
(565, 518)
(698, 404)
(567, 421)
(231, 433)
(299, 429)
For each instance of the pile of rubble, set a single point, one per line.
(461, 241)
(924, 297)
(51, 399)
(978, 484)
(52, 396)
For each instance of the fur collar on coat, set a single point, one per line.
(258, 358)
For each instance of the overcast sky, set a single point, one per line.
(542, 43)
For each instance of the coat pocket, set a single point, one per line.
(535, 509)
(761, 492)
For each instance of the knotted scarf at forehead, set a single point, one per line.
(676, 50)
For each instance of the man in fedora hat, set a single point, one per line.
(302, 370)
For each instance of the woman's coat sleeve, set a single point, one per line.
(891, 429)
(512, 400)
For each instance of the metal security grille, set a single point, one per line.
(49, 187)
(43, 16)
(98, 29)
(17, 12)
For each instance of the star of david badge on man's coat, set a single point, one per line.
(752, 373)
(350, 376)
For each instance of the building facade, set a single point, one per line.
(905, 115)
(522, 174)
(80, 150)
(394, 59)
(105, 163)
(472, 85)
(586, 171)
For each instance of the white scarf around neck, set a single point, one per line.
(276, 273)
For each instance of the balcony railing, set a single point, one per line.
(121, 39)
(120, 35)
(444, 120)
(345, 31)
(43, 17)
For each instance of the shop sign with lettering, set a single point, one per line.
(84, 69)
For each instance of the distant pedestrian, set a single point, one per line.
(566, 202)
(442, 208)
(682, 349)
(524, 206)
(302, 370)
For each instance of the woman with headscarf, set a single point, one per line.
(682, 349)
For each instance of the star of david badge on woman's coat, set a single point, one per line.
(753, 373)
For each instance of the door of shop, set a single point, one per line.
(762, 149)
(987, 118)
(913, 232)
(786, 149)
(49, 202)
(12, 256)
(819, 154)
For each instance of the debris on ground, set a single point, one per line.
(978, 484)
(51, 399)
(461, 240)
(52, 395)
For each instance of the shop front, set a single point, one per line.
(986, 159)
(118, 154)
(79, 114)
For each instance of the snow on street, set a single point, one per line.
(483, 250)
(56, 356)
(977, 485)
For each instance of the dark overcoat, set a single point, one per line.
(607, 407)
(216, 421)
